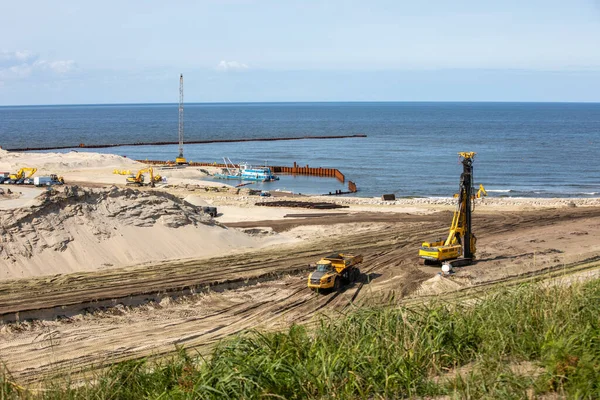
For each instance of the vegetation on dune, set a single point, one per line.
(512, 343)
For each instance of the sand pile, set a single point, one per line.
(438, 285)
(48, 163)
(89, 167)
(72, 230)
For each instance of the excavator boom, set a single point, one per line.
(21, 173)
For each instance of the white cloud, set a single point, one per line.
(23, 64)
(60, 67)
(19, 71)
(231, 66)
(12, 58)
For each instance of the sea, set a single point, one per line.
(410, 149)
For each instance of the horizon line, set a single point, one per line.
(302, 102)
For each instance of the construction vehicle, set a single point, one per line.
(138, 179)
(334, 271)
(481, 192)
(459, 247)
(21, 175)
(180, 160)
(53, 179)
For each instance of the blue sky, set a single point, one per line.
(73, 52)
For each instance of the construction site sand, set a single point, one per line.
(516, 236)
(509, 244)
(61, 163)
(90, 167)
(74, 230)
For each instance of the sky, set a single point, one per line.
(83, 52)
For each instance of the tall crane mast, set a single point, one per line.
(180, 158)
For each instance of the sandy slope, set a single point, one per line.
(73, 230)
(63, 162)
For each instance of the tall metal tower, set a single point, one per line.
(180, 159)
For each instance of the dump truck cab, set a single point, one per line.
(323, 277)
(334, 271)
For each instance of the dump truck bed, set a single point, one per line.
(343, 261)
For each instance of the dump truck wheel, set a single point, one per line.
(337, 284)
(356, 274)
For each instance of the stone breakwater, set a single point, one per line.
(412, 202)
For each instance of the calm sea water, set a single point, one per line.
(523, 149)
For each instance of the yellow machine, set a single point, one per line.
(334, 271)
(461, 240)
(57, 179)
(138, 179)
(21, 174)
(481, 192)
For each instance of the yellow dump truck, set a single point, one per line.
(334, 271)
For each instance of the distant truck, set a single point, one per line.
(48, 180)
(334, 271)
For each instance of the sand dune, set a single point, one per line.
(73, 229)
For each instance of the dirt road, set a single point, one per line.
(265, 289)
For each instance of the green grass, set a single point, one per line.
(461, 350)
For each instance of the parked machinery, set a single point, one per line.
(459, 247)
(53, 179)
(21, 176)
(138, 179)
